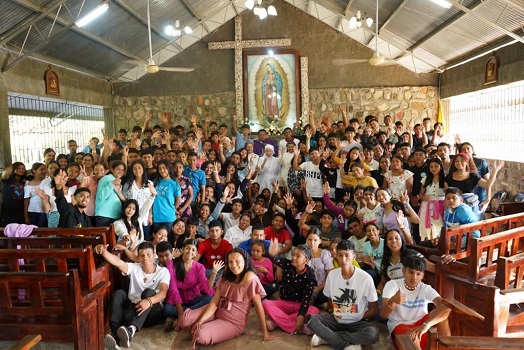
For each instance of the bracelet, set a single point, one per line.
(150, 302)
(387, 303)
(379, 292)
(402, 227)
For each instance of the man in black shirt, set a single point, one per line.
(72, 215)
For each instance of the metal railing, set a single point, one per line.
(36, 124)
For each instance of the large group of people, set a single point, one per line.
(310, 230)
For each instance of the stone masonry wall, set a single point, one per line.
(403, 103)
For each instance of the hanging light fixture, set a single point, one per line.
(356, 21)
(175, 30)
(259, 10)
(100, 9)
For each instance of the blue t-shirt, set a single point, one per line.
(198, 179)
(107, 203)
(164, 204)
(463, 214)
(376, 254)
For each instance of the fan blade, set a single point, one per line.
(345, 61)
(136, 62)
(176, 69)
(388, 63)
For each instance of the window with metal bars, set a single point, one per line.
(492, 120)
(36, 124)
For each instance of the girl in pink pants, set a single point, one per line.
(296, 290)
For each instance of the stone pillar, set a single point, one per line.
(5, 143)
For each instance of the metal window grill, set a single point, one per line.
(36, 124)
(492, 120)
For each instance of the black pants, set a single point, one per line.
(123, 311)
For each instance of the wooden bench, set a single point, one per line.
(32, 242)
(435, 342)
(510, 272)
(53, 305)
(450, 235)
(62, 260)
(107, 233)
(467, 331)
(501, 318)
(481, 265)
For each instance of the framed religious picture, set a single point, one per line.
(491, 74)
(52, 85)
(271, 89)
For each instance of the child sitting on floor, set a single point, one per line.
(405, 303)
(263, 267)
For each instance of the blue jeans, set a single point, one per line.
(340, 335)
(171, 310)
(38, 219)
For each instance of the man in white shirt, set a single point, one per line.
(312, 174)
(353, 300)
(239, 233)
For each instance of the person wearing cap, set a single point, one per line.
(214, 248)
(352, 301)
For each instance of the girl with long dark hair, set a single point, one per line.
(225, 317)
(128, 229)
(13, 180)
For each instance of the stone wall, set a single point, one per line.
(403, 103)
(510, 178)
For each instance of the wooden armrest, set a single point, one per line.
(96, 290)
(515, 257)
(480, 343)
(461, 309)
(27, 342)
(513, 296)
(404, 342)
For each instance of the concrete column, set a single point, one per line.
(5, 143)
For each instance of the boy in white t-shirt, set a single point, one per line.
(405, 303)
(353, 300)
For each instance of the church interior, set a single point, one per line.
(176, 59)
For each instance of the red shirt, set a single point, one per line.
(282, 237)
(209, 254)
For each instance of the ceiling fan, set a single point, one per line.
(149, 65)
(375, 60)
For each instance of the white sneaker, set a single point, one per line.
(353, 347)
(316, 340)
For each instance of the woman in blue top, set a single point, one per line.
(168, 197)
(108, 206)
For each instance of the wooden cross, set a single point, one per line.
(238, 44)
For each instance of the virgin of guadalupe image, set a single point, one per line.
(272, 93)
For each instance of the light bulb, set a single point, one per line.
(358, 14)
(250, 4)
(100, 9)
(177, 32)
(169, 30)
(353, 22)
(359, 24)
(177, 23)
(262, 13)
(256, 10)
(188, 30)
(272, 11)
(369, 21)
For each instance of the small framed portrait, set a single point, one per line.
(491, 74)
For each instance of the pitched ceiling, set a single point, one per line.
(417, 34)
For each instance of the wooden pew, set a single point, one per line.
(450, 235)
(510, 272)
(500, 318)
(468, 331)
(63, 242)
(62, 260)
(107, 233)
(53, 305)
(436, 342)
(481, 264)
